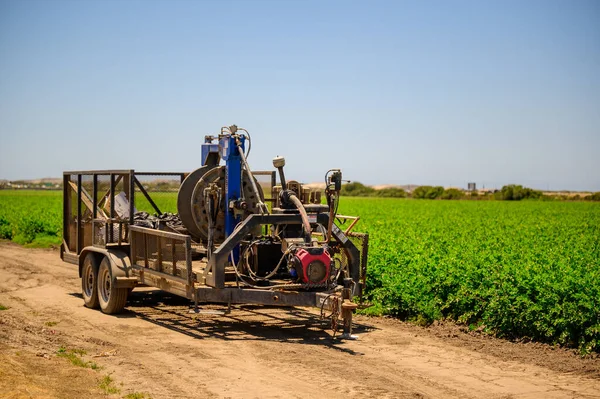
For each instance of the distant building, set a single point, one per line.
(471, 186)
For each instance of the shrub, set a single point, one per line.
(452, 194)
(5, 228)
(356, 189)
(516, 192)
(392, 192)
(593, 197)
(428, 192)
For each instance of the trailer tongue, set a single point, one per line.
(225, 245)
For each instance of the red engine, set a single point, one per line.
(312, 264)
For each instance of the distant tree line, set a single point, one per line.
(511, 192)
(356, 189)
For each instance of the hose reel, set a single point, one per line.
(195, 217)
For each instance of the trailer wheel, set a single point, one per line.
(89, 275)
(112, 299)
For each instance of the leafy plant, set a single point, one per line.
(519, 269)
(5, 228)
(107, 385)
(74, 356)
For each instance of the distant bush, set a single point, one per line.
(593, 197)
(356, 189)
(428, 192)
(511, 192)
(516, 192)
(392, 192)
(452, 194)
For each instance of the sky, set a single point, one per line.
(391, 92)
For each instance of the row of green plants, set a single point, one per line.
(520, 270)
(511, 192)
(32, 218)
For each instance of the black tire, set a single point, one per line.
(89, 275)
(112, 299)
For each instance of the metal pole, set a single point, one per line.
(79, 241)
(66, 211)
(112, 208)
(95, 195)
(131, 196)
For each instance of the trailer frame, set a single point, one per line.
(165, 259)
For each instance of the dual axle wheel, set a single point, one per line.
(98, 288)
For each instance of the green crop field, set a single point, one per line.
(32, 218)
(528, 269)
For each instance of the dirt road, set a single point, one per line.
(158, 349)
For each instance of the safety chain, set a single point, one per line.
(335, 313)
(295, 286)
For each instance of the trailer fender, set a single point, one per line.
(120, 264)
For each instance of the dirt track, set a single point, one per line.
(157, 347)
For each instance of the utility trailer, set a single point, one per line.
(225, 245)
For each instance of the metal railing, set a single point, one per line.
(110, 231)
(162, 254)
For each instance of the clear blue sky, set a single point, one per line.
(391, 92)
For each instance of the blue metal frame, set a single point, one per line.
(228, 151)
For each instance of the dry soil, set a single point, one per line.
(158, 349)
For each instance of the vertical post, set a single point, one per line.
(273, 180)
(131, 196)
(112, 207)
(132, 249)
(159, 253)
(188, 260)
(146, 263)
(174, 256)
(346, 313)
(363, 265)
(79, 241)
(95, 196)
(66, 211)
(112, 195)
